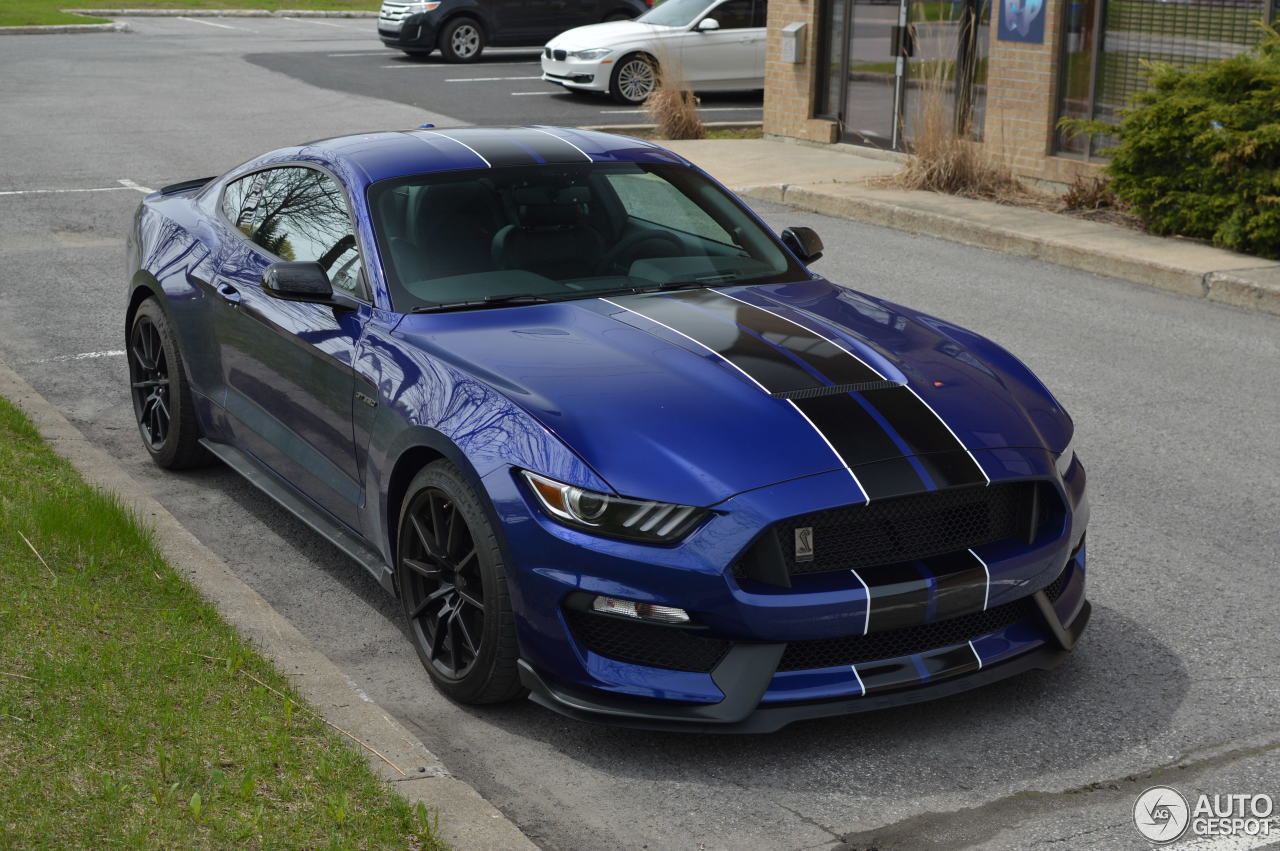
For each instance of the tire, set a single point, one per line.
(462, 40)
(453, 589)
(160, 392)
(627, 83)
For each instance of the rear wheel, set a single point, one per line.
(161, 396)
(454, 591)
(634, 79)
(462, 40)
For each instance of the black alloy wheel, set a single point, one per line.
(161, 396)
(453, 589)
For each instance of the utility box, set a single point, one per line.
(793, 43)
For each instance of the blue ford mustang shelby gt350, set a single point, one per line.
(605, 435)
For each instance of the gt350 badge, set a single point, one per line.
(804, 543)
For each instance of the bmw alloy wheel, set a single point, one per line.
(635, 80)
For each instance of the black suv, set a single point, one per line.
(462, 28)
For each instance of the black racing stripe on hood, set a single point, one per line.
(766, 364)
(924, 432)
(834, 363)
(859, 440)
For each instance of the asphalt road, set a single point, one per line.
(1178, 421)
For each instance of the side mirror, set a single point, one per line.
(303, 281)
(803, 242)
(707, 25)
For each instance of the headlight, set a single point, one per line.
(614, 516)
(419, 8)
(593, 53)
(1066, 457)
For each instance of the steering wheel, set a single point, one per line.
(629, 243)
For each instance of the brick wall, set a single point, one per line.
(1022, 83)
(790, 88)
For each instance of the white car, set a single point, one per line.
(708, 45)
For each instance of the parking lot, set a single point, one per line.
(1175, 403)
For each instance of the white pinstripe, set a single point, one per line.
(562, 139)
(764, 389)
(460, 142)
(986, 594)
(866, 624)
(975, 655)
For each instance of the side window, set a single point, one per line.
(649, 197)
(299, 213)
(734, 15)
(233, 201)
(760, 13)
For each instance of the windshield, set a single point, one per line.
(552, 232)
(674, 13)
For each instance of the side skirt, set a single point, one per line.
(334, 532)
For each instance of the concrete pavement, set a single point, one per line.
(833, 180)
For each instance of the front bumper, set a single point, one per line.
(414, 32)
(744, 676)
(788, 650)
(588, 75)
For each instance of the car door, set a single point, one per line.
(288, 365)
(724, 56)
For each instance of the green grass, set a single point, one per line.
(30, 13)
(129, 713)
(17, 13)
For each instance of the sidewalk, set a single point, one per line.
(832, 180)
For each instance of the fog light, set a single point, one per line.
(639, 611)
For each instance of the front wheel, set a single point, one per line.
(462, 40)
(634, 79)
(454, 591)
(161, 395)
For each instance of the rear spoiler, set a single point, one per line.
(186, 185)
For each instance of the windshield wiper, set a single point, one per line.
(487, 301)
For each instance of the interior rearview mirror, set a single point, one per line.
(803, 242)
(708, 25)
(303, 280)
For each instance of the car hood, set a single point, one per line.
(611, 34)
(660, 414)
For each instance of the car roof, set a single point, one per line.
(396, 153)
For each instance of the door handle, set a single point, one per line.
(229, 293)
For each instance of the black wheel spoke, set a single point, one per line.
(442, 593)
(151, 382)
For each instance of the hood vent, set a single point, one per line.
(837, 389)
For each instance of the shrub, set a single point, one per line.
(674, 109)
(1199, 152)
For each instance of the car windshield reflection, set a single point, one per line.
(532, 234)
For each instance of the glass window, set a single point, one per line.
(733, 15)
(565, 231)
(759, 13)
(233, 200)
(674, 13)
(299, 213)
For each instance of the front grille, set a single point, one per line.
(646, 644)
(393, 13)
(853, 649)
(906, 528)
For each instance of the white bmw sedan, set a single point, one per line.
(717, 45)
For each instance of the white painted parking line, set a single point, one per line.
(61, 191)
(345, 55)
(318, 23)
(209, 23)
(526, 94)
(129, 184)
(700, 109)
(487, 79)
(113, 353)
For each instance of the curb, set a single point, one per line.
(220, 13)
(467, 820)
(66, 29)
(1240, 280)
